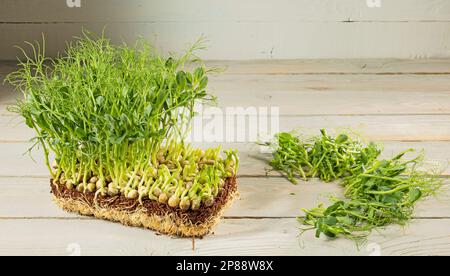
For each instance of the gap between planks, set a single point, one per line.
(239, 176)
(279, 67)
(223, 218)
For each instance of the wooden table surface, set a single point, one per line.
(401, 103)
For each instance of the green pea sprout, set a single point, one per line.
(378, 192)
(116, 118)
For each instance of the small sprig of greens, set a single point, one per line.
(323, 156)
(116, 117)
(384, 193)
(377, 192)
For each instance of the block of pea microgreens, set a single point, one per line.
(115, 118)
(183, 193)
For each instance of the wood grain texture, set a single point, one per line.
(254, 40)
(352, 94)
(258, 28)
(333, 66)
(232, 237)
(374, 127)
(310, 94)
(314, 66)
(404, 103)
(216, 10)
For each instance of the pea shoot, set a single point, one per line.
(323, 156)
(378, 192)
(384, 193)
(116, 118)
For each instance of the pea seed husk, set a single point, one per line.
(163, 198)
(208, 200)
(91, 187)
(185, 203)
(157, 191)
(132, 194)
(196, 203)
(80, 188)
(112, 189)
(174, 201)
(99, 184)
(69, 184)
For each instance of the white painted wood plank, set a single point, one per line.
(232, 237)
(13, 126)
(256, 40)
(259, 197)
(381, 128)
(322, 94)
(374, 127)
(216, 10)
(28, 197)
(336, 94)
(307, 103)
(16, 161)
(313, 66)
(333, 66)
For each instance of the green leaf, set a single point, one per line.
(124, 119)
(125, 92)
(29, 122)
(64, 89)
(118, 139)
(199, 73)
(80, 132)
(56, 142)
(181, 80)
(201, 94)
(189, 78)
(342, 138)
(100, 100)
(203, 83)
(148, 110)
(330, 221)
(345, 220)
(169, 62)
(329, 233)
(414, 195)
(390, 199)
(333, 208)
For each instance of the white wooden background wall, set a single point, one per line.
(242, 29)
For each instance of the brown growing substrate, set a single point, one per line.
(150, 214)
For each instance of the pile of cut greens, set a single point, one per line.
(378, 192)
(116, 117)
(322, 156)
